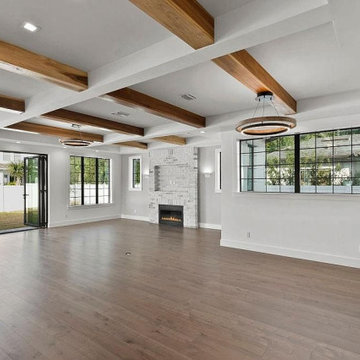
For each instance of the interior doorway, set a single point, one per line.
(23, 191)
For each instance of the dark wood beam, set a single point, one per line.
(187, 19)
(136, 144)
(55, 131)
(11, 104)
(83, 119)
(21, 61)
(243, 67)
(171, 139)
(135, 99)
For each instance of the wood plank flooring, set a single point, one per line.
(72, 293)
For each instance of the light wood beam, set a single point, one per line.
(11, 104)
(243, 67)
(55, 131)
(21, 61)
(171, 139)
(136, 144)
(187, 19)
(83, 119)
(135, 99)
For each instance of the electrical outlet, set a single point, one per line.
(248, 235)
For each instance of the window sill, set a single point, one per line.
(131, 189)
(299, 196)
(94, 206)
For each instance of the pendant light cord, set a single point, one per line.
(273, 105)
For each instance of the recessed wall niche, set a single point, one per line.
(171, 178)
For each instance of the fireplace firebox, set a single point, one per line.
(171, 215)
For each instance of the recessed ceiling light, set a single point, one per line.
(202, 131)
(188, 97)
(96, 150)
(30, 27)
(18, 142)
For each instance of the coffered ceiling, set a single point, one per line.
(304, 47)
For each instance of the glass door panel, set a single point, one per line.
(31, 191)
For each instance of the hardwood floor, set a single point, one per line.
(72, 293)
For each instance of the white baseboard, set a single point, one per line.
(82, 221)
(295, 253)
(135, 217)
(210, 226)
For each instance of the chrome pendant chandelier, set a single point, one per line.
(265, 125)
(78, 142)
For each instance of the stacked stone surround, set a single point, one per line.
(173, 180)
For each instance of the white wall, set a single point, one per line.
(315, 227)
(209, 200)
(135, 204)
(59, 174)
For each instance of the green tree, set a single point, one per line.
(16, 170)
(137, 171)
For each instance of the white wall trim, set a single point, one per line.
(135, 217)
(82, 221)
(210, 226)
(295, 253)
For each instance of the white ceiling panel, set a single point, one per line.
(21, 86)
(215, 90)
(104, 109)
(310, 63)
(81, 33)
(217, 8)
(62, 125)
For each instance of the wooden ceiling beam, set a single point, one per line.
(243, 67)
(132, 98)
(55, 131)
(171, 139)
(187, 19)
(136, 144)
(21, 61)
(72, 117)
(12, 105)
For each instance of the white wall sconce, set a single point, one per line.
(207, 174)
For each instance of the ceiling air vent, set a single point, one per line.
(119, 114)
(188, 97)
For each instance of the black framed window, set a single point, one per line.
(75, 180)
(89, 181)
(318, 162)
(268, 165)
(135, 173)
(104, 181)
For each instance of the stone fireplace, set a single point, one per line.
(173, 180)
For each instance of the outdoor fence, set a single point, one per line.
(11, 198)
